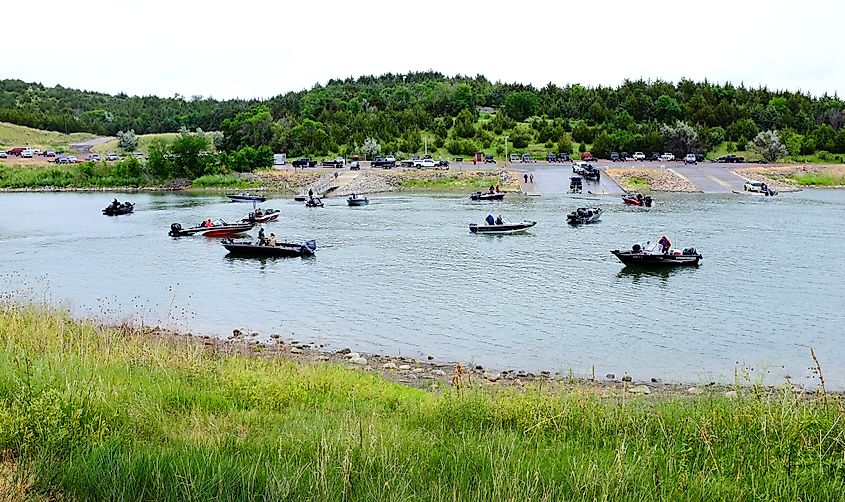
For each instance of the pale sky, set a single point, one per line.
(254, 49)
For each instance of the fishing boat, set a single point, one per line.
(119, 209)
(262, 216)
(314, 202)
(584, 215)
(501, 229)
(354, 200)
(281, 249)
(487, 196)
(246, 197)
(638, 200)
(637, 256)
(218, 228)
(575, 184)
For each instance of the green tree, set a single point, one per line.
(767, 145)
(564, 144)
(680, 138)
(159, 159)
(521, 136)
(190, 155)
(742, 131)
(521, 105)
(667, 109)
(464, 124)
(127, 141)
(464, 98)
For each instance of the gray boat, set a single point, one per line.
(354, 200)
(584, 215)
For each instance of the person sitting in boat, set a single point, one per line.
(489, 219)
(664, 244)
(640, 197)
(491, 189)
(499, 220)
(272, 240)
(207, 223)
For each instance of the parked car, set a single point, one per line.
(563, 157)
(138, 155)
(304, 162)
(729, 159)
(93, 157)
(551, 158)
(587, 156)
(390, 158)
(49, 153)
(614, 156)
(354, 166)
(112, 157)
(16, 150)
(526, 158)
(625, 156)
(655, 156)
(690, 159)
(488, 159)
(424, 163)
(441, 164)
(3, 155)
(513, 158)
(26, 154)
(639, 156)
(667, 157)
(336, 163)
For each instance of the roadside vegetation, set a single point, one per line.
(450, 182)
(124, 173)
(636, 184)
(94, 413)
(820, 179)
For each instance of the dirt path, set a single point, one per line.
(84, 147)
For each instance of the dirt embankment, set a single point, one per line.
(777, 177)
(658, 180)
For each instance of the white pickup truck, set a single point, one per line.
(667, 157)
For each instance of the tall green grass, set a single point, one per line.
(823, 179)
(94, 413)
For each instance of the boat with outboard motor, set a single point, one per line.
(208, 228)
(118, 208)
(499, 226)
(638, 256)
(262, 216)
(354, 200)
(584, 215)
(638, 200)
(487, 196)
(246, 197)
(280, 249)
(314, 202)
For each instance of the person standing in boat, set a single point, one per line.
(310, 193)
(664, 244)
(261, 240)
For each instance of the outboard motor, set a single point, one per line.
(312, 245)
(175, 227)
(647, 201)
(636, 248)
(689, 252)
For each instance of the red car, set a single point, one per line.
(16, 151)
(587, 156)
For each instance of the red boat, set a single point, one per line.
(637, 200)
(218, 228)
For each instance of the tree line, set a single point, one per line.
(403, 112)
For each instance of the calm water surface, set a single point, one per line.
(404, 276)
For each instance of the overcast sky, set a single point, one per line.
(250, 48)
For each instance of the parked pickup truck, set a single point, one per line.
(382, 162)
(304, 162)
(336, 163)
(730, 159)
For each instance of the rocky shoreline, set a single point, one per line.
(659, 180)
(432, 375)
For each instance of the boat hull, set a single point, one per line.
(271, 215)
(487, 196)
(247, 198)
(216, 231)
(510, 228)
(651, 260)
(579, 217)
(357, 202)
(280, 250)
(125, 208)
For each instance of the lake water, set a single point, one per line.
(404, 276)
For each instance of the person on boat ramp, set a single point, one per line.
(489, 219)
(261, 240)
(664, 244)
(499, 220)
(272, 240)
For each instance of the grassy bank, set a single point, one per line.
(820, 179)
(85, 175)
(91, 413)
(451, 182)
(12, 135)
